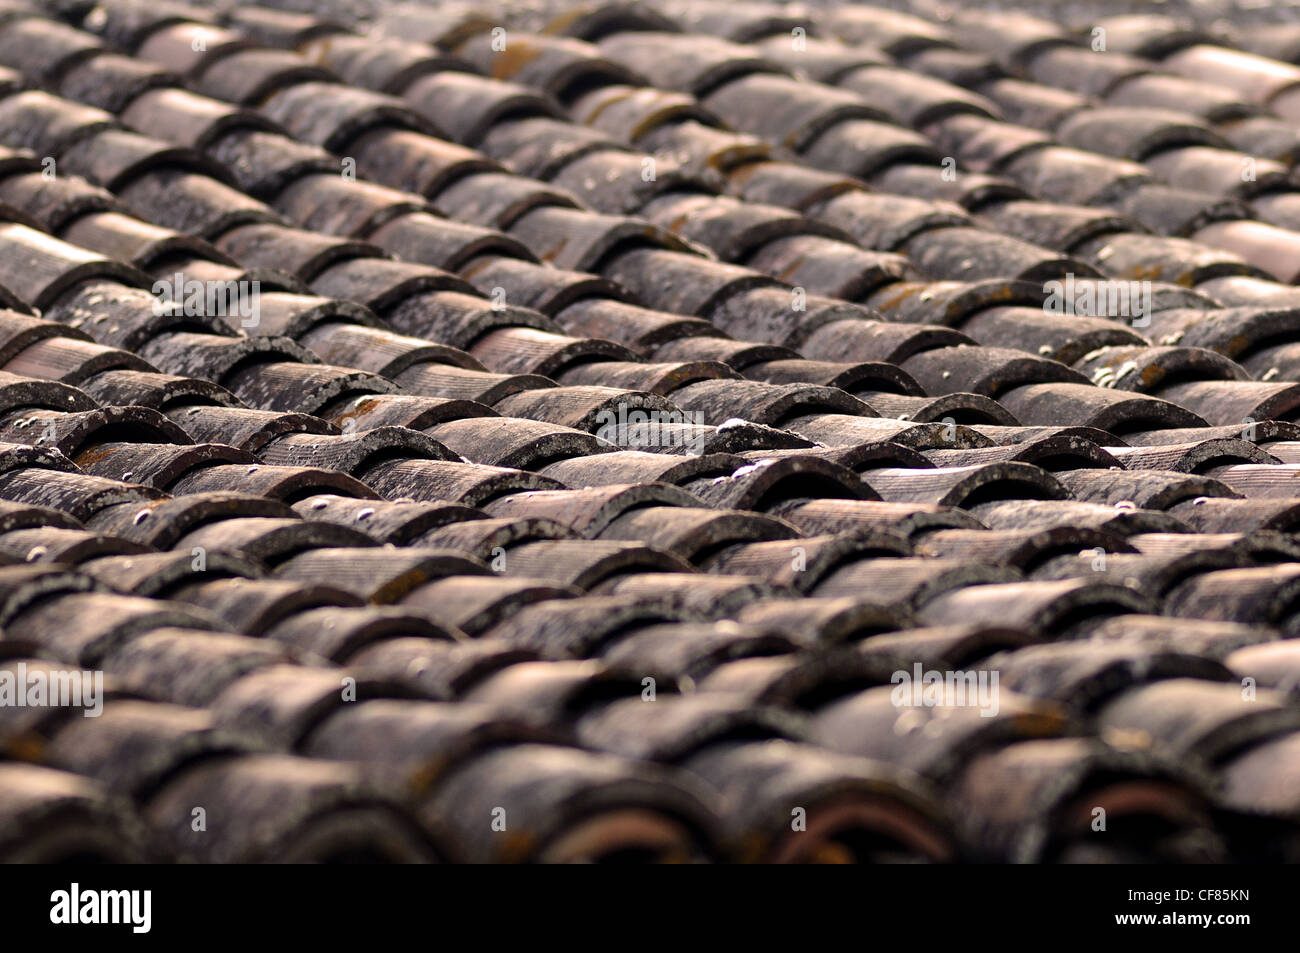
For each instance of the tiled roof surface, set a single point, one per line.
(635, 398)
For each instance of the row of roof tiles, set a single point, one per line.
(914, 449)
